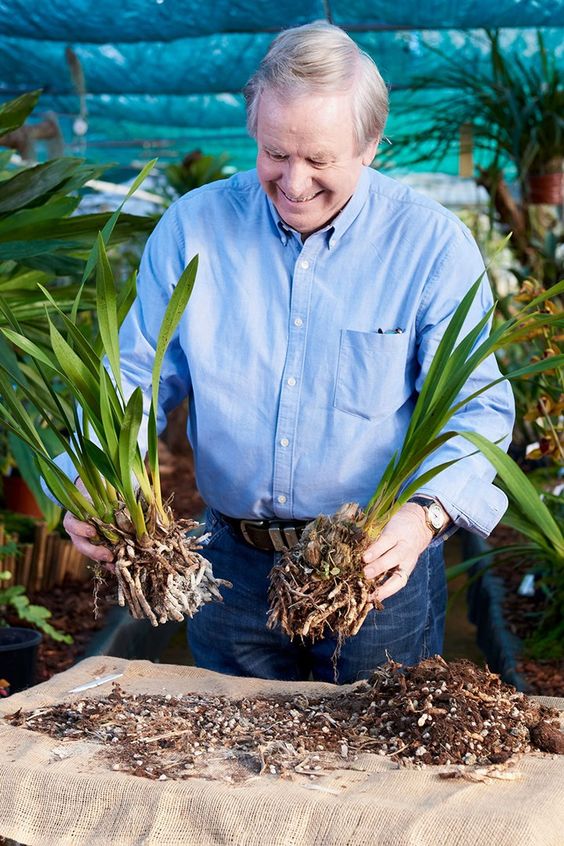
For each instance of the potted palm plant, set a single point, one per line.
(513, 108)
(510, 111)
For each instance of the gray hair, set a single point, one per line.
(322, 58)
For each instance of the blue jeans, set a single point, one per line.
(231, 636)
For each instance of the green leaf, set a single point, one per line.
(126, 296)
(80, 343)
(443, 352)
(108, 420)
(111, 222)
(520, 489)
(175, 309)
(64, 490)
(30, 248)
(106, 303)
(102, 463)
(75, 371)
(30, 185)
(13, 114)
(128, 449)
(27, 223)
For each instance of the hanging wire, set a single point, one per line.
(328, 12)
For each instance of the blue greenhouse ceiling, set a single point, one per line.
(124, 80)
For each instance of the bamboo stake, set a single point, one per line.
(62, 560)
(27, 556)
(47, 576)
(38, 562)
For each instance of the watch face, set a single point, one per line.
(436, 516)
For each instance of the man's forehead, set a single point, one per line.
(319, 126)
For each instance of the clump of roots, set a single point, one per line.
(318, 586)
(160, 577)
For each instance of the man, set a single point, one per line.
(322, 293)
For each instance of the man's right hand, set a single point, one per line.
(79, 532)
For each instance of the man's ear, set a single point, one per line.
(370, 152)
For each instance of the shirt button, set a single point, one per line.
(282, 498)
(298, 321)
(304, 264)
(284, 442)
(291, 381)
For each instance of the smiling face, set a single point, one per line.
(308, 162)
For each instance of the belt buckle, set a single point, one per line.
(282, 537)
(255, 524)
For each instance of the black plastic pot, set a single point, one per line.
(18, 654)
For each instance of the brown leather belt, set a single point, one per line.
(267, 535)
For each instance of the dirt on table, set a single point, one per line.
(433, 713)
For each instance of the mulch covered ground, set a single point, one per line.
(521, 613)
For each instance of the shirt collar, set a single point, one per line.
(337, 228)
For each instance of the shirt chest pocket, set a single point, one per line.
(373, 373)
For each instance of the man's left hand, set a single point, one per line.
(402, 541)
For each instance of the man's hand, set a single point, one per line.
(79, 532)
(399, 546)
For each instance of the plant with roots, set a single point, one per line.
(318, 586)
(159, 573)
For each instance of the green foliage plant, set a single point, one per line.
(539, 429)
(515, 108)
(13, 600)
(319, 585)
(44, 243)
(39, 232)
(159, 576)
(195, 170)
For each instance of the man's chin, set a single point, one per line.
(302, 220)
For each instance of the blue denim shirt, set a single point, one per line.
(302, 361)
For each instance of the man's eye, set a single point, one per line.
(318, 164)
(277, 156)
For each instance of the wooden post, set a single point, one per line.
(465, 158)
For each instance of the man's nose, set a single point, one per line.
(298, 180)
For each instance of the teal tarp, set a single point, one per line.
(168, 74)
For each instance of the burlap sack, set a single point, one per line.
(46, 801)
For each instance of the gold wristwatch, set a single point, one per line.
(436, 517)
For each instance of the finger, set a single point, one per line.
(392, 558)
(74, 526)
(379, 547)
(95, 551)
(396, 582)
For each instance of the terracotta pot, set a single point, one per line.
(19, 498)
(545, 188)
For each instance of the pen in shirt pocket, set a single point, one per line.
(397, 331)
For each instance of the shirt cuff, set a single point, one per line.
(477, 507)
